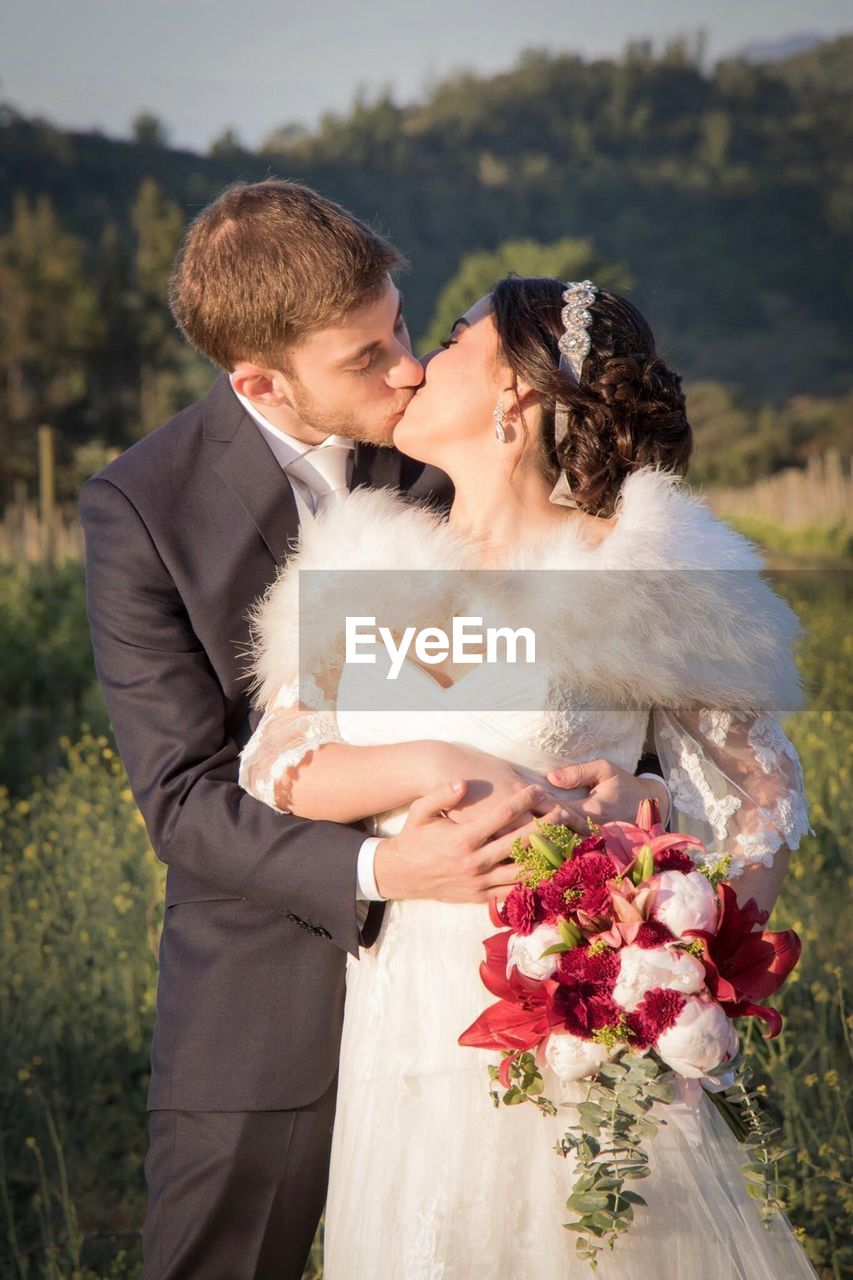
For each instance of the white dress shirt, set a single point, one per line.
(286, 449)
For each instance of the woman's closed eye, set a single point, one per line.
(447, 342)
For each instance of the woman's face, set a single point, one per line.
(463, 382)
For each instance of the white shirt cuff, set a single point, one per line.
(659, 779)
(367, 890)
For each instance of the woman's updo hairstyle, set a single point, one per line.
(628, 411)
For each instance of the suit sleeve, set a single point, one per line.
(169, 716)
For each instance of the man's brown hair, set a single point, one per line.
(265, 264)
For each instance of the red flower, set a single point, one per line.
(591, 844)
(674, 860)
(598, 969)
(624, 841)
(586, 876)
(519, 1019)
(653, 933)
(657, 1011)
(742, 965)
(648, 817)
(582, 997)
(522, 910)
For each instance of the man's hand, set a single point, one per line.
(614, 794)
(435, 857)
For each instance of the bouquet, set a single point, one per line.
(622, 965)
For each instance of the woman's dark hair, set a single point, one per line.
(628, 411)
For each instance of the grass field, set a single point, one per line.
(80, 894)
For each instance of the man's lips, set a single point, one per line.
(395, 417)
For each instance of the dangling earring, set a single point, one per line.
(498, 413)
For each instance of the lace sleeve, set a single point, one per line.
(736, 782)
(300, 718)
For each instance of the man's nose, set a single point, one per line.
(405, 372)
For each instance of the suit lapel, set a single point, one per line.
(250, 469)
(252, 473)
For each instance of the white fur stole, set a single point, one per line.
(668, 610)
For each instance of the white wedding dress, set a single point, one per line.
(429, 1181)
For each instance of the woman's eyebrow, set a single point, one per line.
(461, 320)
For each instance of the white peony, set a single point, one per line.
(683, 901)
(700, 1038)
(525, 953)
(641, 969)
(571, 1058)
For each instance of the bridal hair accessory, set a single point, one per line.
(574, 344)
(499, 413)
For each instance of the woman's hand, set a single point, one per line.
(613, 794)
(489, 779)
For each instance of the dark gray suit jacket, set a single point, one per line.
(183, 532)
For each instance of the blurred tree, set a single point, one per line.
(287, 137)
(226, 145)
(479, 272)
(149, 131)
(115, 359)
(48, 324)
(158, 223)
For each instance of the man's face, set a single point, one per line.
(356, 378)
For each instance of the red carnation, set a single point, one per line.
(653, 933)
(674, 860)
(593, 969)
(658, 1010)
(604, 1012)
(587, 876)
(581, 1000)
(593, 869)
(582, 1010)
(591, 844)
(638, 1035)
(521, 911)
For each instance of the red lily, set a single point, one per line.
(519, 1020)
(742, 965)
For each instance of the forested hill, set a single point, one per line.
(726, 195)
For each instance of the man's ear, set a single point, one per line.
(269, 387)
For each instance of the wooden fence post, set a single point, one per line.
(47, 492)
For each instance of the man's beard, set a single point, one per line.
(334, 423)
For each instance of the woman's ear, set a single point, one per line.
(520, 398)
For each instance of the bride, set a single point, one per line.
(563, 432)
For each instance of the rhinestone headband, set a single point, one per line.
(574, 344)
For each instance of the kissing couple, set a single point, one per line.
(326, 837)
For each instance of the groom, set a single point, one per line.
(294, 300)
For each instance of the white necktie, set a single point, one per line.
(324, 469)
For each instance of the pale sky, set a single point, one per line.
(205, 65)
